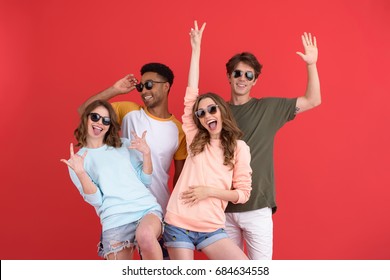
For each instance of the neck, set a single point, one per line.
(161, 112)
(94, 143)
(239, 99)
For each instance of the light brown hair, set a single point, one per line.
(229, 135)
(111, 138)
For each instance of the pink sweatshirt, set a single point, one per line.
(207, 169)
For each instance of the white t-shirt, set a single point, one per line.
(165, 138)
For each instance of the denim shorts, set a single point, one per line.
(116, 239)
(176, 237)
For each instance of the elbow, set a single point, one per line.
(243, 196)
(318, 102)
(315, 102)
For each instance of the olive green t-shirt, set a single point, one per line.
(259, 120)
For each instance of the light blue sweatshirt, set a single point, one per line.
(122, 196)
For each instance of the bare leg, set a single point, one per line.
(147, 234)
(125, 254)
(180, 253)
(224, 249)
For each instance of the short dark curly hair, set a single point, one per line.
(161, 69)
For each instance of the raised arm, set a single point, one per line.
(312, 97)
(76, 163)
(189, 127)
(140, 144)
(124, 85)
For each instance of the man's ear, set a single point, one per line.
(228, 77)
(167, 87)
(255, 82)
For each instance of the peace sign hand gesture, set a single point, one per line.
(76, 162)
(196, 34)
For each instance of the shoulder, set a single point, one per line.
(176, 122)
(127, 106)
(242, 146)
(276, 100)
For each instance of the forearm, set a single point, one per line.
(193, 76)
(86, 183)
(227, 195)
(313, 91)
(147, 166)
(104, 95)
(312, 97)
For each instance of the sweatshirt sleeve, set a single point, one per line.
(136, 159)
(189, 127)
(95, 199)
(242, 172)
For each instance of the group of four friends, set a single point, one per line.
(224, 193)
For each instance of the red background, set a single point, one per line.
(332, 163)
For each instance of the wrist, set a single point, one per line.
(115, 91)
(80, 173)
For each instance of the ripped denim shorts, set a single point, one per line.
(116, 239)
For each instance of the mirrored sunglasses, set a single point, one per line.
(248, 74)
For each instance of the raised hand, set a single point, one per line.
(196, 34)
(139, 143)
(76, 162)
(126, 84)
(310, 46)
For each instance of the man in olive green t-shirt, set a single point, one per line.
(259, 120)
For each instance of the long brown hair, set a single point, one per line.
(229, 135)
(111, 138)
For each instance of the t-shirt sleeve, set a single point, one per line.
(280, 110)
(181, 152)
(124, 107)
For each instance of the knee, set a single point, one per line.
(146, 238)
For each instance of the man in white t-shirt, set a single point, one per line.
(164, 132)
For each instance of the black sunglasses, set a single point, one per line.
(212, 109)
(148, 85)
(248, 74)
(95, 117)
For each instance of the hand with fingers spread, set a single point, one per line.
(310, 46)
(76, 162)
(139, 143)
(126, 84)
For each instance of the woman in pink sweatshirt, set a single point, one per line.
(217, 170)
